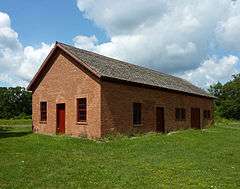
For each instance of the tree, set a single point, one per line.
(15, 101)
(216, 90)
(230, 106)
(228, 98)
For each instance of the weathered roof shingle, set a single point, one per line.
(112, 68)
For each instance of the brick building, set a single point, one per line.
(81, 93)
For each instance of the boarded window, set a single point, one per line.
(43, 111)
(136, 113)
(180, 114)
(206, 114)
(81, 110)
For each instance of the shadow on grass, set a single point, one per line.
(6, 132)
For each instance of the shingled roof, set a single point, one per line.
(105, 67)
(115, 69)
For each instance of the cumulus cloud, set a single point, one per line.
(4, 20)
(32, 58)
(212, 70)
(85, 42)
(122, 17)
(172, 36)
(18, 64)
(179, 37)
(228, 33)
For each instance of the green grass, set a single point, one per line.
(186, 159)
(11, 122)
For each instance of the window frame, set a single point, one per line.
(137, 114)
(82, 110)
(43, 111)
(206, 114)
(180, 114)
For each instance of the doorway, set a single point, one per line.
(195, 118)
(60, 119)
(160, 120)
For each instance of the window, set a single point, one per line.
(180, 114)
(206, 114)
(81, 110)
(43, 111)
(136, 113)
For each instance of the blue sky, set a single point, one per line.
(48, 21)
(196, 40)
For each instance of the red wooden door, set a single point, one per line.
(160, 119)
(195, 118)
(60, 118)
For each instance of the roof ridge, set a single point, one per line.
(131, 64)
(110, 58)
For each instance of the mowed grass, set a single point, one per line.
(12, 122)
(187, 159)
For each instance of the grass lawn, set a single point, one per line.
(11, 122)
(187, 159)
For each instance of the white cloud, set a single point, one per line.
(8, 37)
(32, 58)
(176, 36)
(213, 70)
(85, 42)
(122, 17)
(172, 36)
(4, 20)
(18, 64)
(228, 33)
(228, 29)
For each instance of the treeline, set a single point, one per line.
(227, 103)
(15, 102)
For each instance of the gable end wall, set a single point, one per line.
(64, 83)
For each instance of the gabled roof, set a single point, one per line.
(108, 68)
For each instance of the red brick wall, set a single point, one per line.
(64, 83)
(117, 100)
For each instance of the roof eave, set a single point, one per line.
(107, 78)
